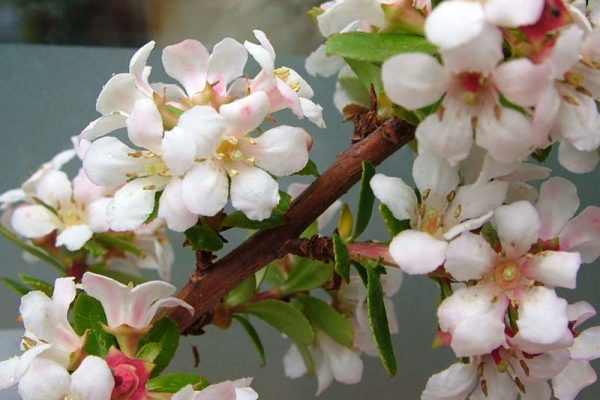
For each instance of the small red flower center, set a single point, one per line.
(130, 376)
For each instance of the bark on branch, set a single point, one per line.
(206, 288)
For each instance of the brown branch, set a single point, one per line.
(206, 289)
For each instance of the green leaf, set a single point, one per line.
(239, 220)
(157, 195)
(542, 154)
(253, 337)
(315, 12)
(174, 110)
(37, 284)
(490, 235)
(95, 249)
(202, 237)
(362, 272)
(284, 317)
(379, 323)
(342, 257)
(165, 334)
(14, 285)
(172, 383)
(122, 277)
(88, 315)
(327, 319)
(119, 243)
(368, 73)
(376, 47)
(312, 230)
(307, 358)
(307, 274)
(149, 351)
(366, 200)
(393, 225)
(309, 169)
(356, 90)
(34, 251)
(242, 293)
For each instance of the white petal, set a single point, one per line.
(517, 225)
(417, 253)
(254, 192)
(226, 63)
(341, 14)
(500, 386)
(454, 383)
(281, 151)
(8, 372)
(480, 54)
(178, 150)
(513, 13)
(205, 189)
(557, 203)
(450, 138)
(246, 114)
(577, 375)
(547, 365)
(522, 81)
(173, 210)
(542, 315)
(137, 66)
(92, 380)
(145, 126)
(414, 80)
(264, 54)
(85, 191)
(169, 302)
(507, 138)
(97, 215)
(55, 189)
(582, 234)
(468, 225)
(112, 294)
(103, 126)
(74, 237)
(206, 127)
(565, 52)
(469, 256)
(478, 335)
(318, 63)
(187, 62)
(323, 370)
(579, 162)
(312, 111)
(454, 23)
(587, 344)
(554, 268)
(580, 123)
(34, 221)
(474, 201)
(293, 363)
(133, 203)
(396, 195)
(580, 312)
(435, 179)
(187, 393)
(346, 365)
(118, 95)
(544, 117)
(45, 380)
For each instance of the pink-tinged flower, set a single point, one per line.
(470, 106)
(331, 360)
(446, 210)
(228, 390)
(133, 307)
(13, 369)
(507, 276)
(130, 376)
(454, 23)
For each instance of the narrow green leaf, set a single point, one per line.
(165, 334)
(376, 47)
(37, 284)
(242, 293)
(310, 169)
(368, 73)
(307, 274)
(95, 249)
(253, 334)
(172, 383)
(174, 110)
(202, 237)
(15, 286)
(157, 195)
(315, 12)
(239, 220)
(327, 319)
(393, 225)
(88, 315)
(356, 90)
(284, 317)
(274, 275)
(122, 277)
(149, 351)
(312, 230)
(342, 257)
(490, 235)
(34, 251)
(365, 201)
(307, 357)
(120, 243)
(362, 272)
(513, 318)
(379, 323)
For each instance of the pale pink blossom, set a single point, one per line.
(228, 390)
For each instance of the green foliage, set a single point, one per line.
(378, 322)
(172, 383)
(34, 251)
(94, 248)
(242, 293)
(253, 334)
(202, 237)
(310, 169)
(368, 73)
(356, 90)
(342, 257)
(307, 274)
(327, 319)
(88, 315)
(17, 287)
(157, 195)
(37, 284)
(239, 220)
(284, 317)
(119, 243)
(394, 226)
(376, 47)
(149, 352)
(366, 199)
(490, 235)
(165, 334)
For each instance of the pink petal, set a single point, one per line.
(582, 234)
(557, 203)
(187, 62)
(145, 126)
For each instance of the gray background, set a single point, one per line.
(48, 94)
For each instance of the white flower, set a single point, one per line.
(331, 360)
(133, 307)
(228, 390)
(470, 105)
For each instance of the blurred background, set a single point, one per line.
(54, 58)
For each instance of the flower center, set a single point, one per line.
(230, 150)
(471, 84)
(431, 221)
(126, 381)
(508, 274)
(130, 376)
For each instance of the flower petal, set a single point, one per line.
(178, 150)
(454, 383)
(557, 203)
(587, 344)
(478, 335)
(206, 127)
(547, 365)
(522, 81)
(450, 138)
(396, 195)
(254, 192)
(187, 62)
(435, 179)
(281, 151)
(145, 126)
(92, 380)
(582, 234)
(417, 253)
(577, 375)
(45, 379)
(513, 13)
(118, 95)
(293, 363)
(137, 66)
(227, 62)
(173, 210)
(480, 54)
(34, 221)
(205, 189)
(346, 365)
(264, 54)
(554, 268)
(469, 256)
(474, 201)
(542, 315)
(246, 114)
(517, 225)
(579, 162)
(74, 237)
(336, 18)
(508, 137)
(454, 23)
(133, 203)
(580, 312)
(414, 80)
(103, 126)
(318, 63)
